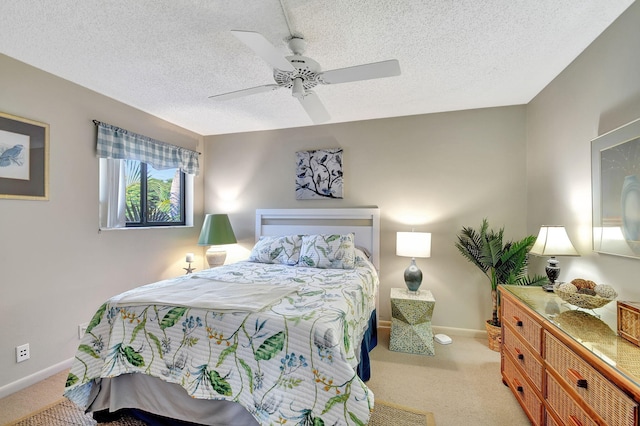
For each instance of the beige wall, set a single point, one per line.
(56, 268)
(438, 172)
(598, 92)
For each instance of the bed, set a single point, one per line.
(282, 337)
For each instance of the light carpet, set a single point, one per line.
(66, 413)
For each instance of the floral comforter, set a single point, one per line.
(293, 361)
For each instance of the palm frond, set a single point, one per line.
(470, 243)
(502, 262)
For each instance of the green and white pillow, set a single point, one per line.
(328, 251)
(278, 249)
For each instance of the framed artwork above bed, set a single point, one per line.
(319, 174)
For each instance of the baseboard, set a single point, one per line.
(34, 378)
(451, 331)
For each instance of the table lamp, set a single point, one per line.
(413, 244)
(216, 231)
(553, 241)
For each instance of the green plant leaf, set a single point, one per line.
(338, 399)
(275, 253)
(172, 317)
(133, 357)
(345, 337)
(355, 419)
(307, 261)
(72, 379)
(270, 347)
(231, 349)
(97, 317)
(247, 370)
(88, 350)
(137, 330)
(219, 384)
(157, 342)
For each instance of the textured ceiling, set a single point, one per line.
(166, 57)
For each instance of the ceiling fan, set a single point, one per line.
(300, 73)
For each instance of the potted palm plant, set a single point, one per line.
(502, 262)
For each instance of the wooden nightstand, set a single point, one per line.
(411, 322)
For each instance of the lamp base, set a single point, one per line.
(215, 257)
(552, 269)
(413, 277)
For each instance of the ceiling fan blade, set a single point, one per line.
(264, 49)
(382, 69)
(316, 111)
(244, 92)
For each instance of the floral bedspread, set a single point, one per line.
(291, 362)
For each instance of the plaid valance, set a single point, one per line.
(116, 143)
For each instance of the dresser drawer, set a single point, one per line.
(550, 421)
(613, 405)
(523, 356)
(524, 393)
(565, 407)
(522, 323)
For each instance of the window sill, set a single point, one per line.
(144, 227)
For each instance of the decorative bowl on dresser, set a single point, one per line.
(567, 366)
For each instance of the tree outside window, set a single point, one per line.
(154, 197)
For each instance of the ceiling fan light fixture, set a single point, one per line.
(298, 89)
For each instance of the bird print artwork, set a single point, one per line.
(319, 174)
(13, 155)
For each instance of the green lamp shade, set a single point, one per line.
(216, 230)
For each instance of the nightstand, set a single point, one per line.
(411, 322)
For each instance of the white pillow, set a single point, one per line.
(278, 249)
(328, 251)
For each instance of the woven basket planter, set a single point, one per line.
(494, 335)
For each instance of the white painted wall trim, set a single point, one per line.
(34, 378)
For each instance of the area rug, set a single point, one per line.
(66, 413)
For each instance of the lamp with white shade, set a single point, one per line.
(553, 241)
(216, 231)
(413, 244)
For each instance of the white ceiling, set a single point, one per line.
(166, 57)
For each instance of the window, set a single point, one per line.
(143, 182)
(153, 197)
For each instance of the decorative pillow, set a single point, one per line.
(362, 255)
(328, 251)
(281, 249)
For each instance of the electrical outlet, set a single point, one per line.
(22, 353)
(82, 329)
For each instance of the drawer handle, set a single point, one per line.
(518, 385)
(519, 354)
(518, 321)
(574, 421)
(580, 381)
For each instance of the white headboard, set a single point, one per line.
(363, 222)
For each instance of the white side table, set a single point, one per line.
(411, 321)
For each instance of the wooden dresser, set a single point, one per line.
(567, 366)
